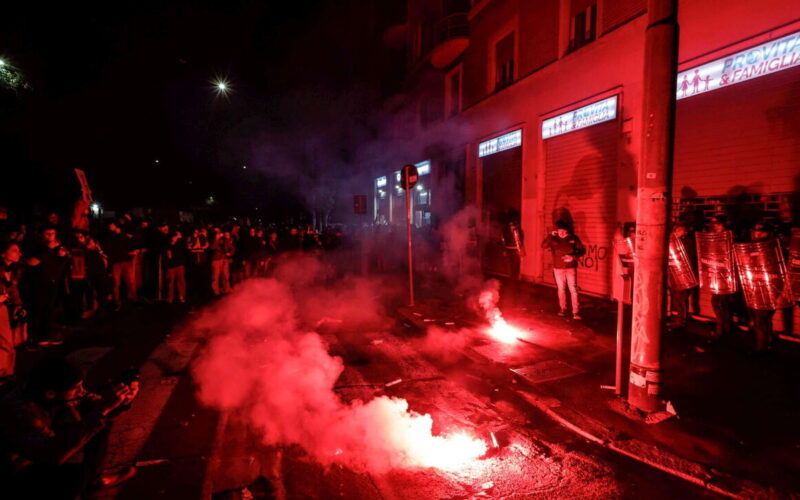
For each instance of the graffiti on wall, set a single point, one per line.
(594, 255)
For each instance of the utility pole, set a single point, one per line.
(653, 204)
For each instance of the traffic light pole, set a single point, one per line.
(410, 246)
(653, 205)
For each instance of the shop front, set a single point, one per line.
(500, 160)
(581, 148)
(737, 138)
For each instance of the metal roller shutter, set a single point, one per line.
(743, 138)
(580, 184)
(746, 135)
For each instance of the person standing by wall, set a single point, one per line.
(682, 264)
(514, 251)
(714, 247)
(566, 248)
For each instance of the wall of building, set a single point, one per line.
(551, 81)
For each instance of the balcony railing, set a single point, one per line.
(451, 39)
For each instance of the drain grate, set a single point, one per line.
(547, 370)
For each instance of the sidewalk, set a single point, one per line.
(736, 430)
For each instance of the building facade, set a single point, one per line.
(541, 103)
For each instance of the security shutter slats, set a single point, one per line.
(745, 135)
(580, 180)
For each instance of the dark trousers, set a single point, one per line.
(57, 482)
(762, 327)
(680, 306)
(722, 305)
(81, 298)
(43, 315)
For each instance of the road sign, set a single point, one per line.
(408, 176)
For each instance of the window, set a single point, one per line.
(504, 62)
(583, 27)
(452, 92)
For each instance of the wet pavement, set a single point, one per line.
(184, 450)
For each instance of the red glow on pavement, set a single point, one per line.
(498, 329)
(450, 452)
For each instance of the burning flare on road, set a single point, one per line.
(498, 329)
(261, 363)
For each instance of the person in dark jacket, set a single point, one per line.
(47, 287)
(45, 426)
(176, 267)
(566, 248)
(11, 309)
(221, 252)
(81, 294)
(119, 249)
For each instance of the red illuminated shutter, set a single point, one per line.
(743, 138)
(746, 135)
(580, 182)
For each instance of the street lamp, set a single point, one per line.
(222, 86)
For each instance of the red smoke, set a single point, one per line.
(262, 362)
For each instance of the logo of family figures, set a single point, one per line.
(694, 83)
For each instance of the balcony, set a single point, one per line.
(451, 39)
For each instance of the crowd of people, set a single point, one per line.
(54, 274)
(57, 272)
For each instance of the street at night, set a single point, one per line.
(400, 249)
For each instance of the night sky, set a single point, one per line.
(115, 86)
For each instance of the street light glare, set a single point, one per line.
(221, 86)
(2, 62)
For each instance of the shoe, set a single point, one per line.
(562, 313)
(576, 317)
(50, 342)
(114, 477)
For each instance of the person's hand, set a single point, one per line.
(133, 391)
(19, 312)
(3, 297)
(62, 252)
(33, 261)
(567, 258)
(121, 394)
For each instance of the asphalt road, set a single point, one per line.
(187, 451)
(536, 457)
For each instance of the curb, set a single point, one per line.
(596, 432)
(699, 474)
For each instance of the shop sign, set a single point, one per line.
(591, 114)
(380, 182)
(423, 167)
(506, 141)
(765, 59)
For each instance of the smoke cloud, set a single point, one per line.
(262, 361)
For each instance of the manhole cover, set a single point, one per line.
(544, 371)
